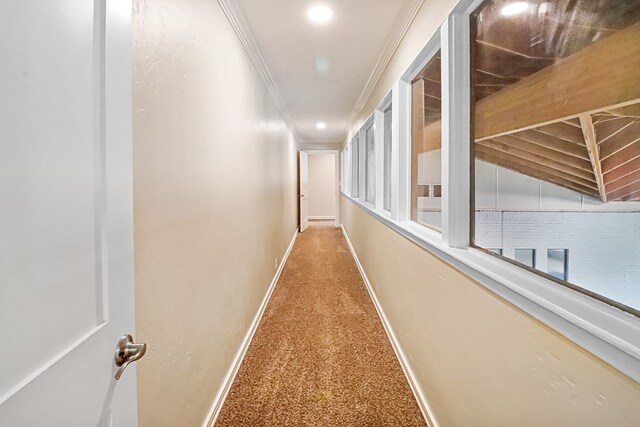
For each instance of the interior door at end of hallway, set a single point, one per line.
(304, 190)
(66, 217)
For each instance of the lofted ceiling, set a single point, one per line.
(557, 95)
(322, 72)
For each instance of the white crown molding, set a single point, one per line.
(404, 21)
(238, 22)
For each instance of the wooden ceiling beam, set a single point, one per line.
(625, 191)
(610, 128)
(603, 76)
(536, 170)
(553, 143)
(633, 197)
(541, 150)
(627, 136)
(631, 152)
(529, 169)
(622, 171)
(623, 182)
(594, 153)
(628, 111)
(564, 131)
(527, 155)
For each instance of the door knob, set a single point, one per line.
(127, 352)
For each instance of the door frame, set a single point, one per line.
(336, 154)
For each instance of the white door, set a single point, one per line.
(304, 191)
(66, 242)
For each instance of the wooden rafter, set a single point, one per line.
(594, 153)
(534, 170)
(628, 111)
(601, 77)
(627, 136)
(528, 155)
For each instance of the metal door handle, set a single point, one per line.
(127, 352)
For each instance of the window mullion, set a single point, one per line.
(456, 130)
(401, 156)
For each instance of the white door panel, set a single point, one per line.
(304, 191)
(66, 251)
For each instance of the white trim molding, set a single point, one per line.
(221, 396)
(426, 410)
(241, 27)
(406, 17)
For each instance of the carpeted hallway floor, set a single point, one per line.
(320, 356)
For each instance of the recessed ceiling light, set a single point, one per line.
(515, 8)
(320, 14)
(321, 125)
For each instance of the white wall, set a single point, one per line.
(517, 211)
(210, 150)
(322, 185)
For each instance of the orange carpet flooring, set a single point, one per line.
(320, 356)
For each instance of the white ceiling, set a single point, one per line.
(320, 71)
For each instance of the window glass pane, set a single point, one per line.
(557, 139)
(557, 263)
(426, 114)
(370, 163)
(355, 163)
(526, 257)
(387, 159)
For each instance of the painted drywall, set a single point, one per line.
(517, 211)
(479, 360)
(215, 202)
(322, 186)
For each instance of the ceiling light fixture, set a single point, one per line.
(321, 125)
(515, 8)
(320, 14)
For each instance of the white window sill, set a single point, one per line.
(606, 331)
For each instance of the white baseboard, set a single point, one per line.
(237, 361)
(427, 413)
(319, 217)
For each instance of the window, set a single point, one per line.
(370, 163)
(426, 115)
(386, 191)
(557, 158)
(554, 165)
(526, 257)
(557, 263)
(355, 167)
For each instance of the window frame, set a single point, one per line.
(368, 124)
(379, 114)
(354, 190)
(601, 328)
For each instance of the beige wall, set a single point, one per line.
(322, 185)
(479, 360)
(215, 202)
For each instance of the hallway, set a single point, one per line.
(320, 356)
(320, 213)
